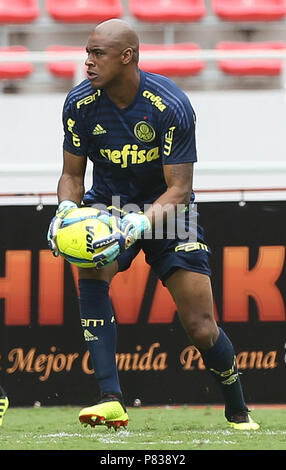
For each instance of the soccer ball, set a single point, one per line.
(74, 238)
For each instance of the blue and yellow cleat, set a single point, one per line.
(4, 403)
(109, 411)
(242, 422)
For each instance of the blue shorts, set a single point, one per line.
(166, 255)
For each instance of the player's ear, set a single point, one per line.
(127, 55)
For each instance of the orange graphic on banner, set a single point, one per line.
(51, 289)
(163, 306)
(240, 283)
(127, 290)
(15, 287)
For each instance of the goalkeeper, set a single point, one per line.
(138, 129)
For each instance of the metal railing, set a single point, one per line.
(202, 168)
(207, 55)
(240, 195)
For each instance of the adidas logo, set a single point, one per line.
(98, 130)
(89, 337)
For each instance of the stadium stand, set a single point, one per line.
(18, 11)
(250, 67)
(76, 11)
(172, 68)
(63, 69)
(249, 10)
(169, 11)
(161, 25)
(15, 70)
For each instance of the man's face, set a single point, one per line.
(103, 61)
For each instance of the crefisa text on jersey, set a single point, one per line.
(145, 459)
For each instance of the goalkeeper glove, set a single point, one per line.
(133, 225)
(62, 210)
(124, 232)
(114, 243)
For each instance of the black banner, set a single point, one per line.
(43, 356)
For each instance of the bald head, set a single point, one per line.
(119, 34)
(113, 55)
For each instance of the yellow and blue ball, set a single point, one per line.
(79, 229)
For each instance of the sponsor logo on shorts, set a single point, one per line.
(192, 246)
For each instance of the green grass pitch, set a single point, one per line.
(152, 428)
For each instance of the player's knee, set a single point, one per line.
(201, 328)
(104, 274)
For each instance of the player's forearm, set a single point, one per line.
(172, 200)
(70, 188)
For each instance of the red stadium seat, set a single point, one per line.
(167, 10)
(250, 10)
(15, 70)
(171, 67)
(83, 11)
(244, 67)
(64, 69)
(18, 11)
